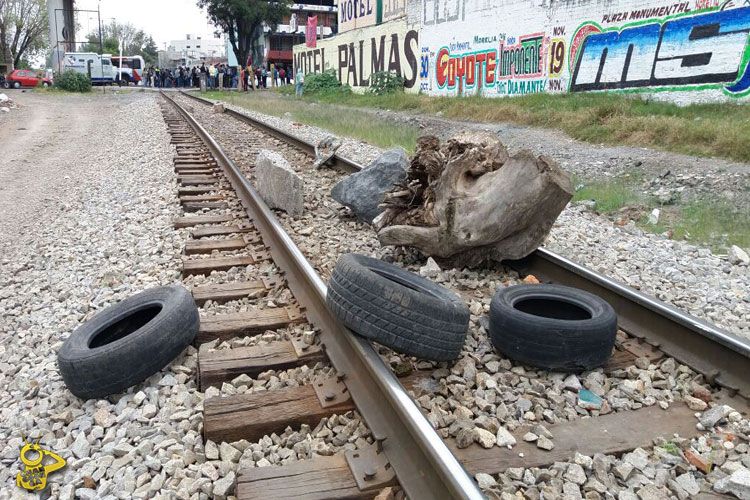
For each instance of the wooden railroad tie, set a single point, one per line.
(196, 220)
(197, 180)
(202, 197)
(195, 189)
(197, 206)
(224, 292)
(205, 266)
(195, 171)
(225, 245)
(205, 231)
(320, 478)
(217, 367)
(252, 416)
(335, 477)
(227, 326)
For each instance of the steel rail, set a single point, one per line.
(424, 465)
(336, 161)
(715, 352)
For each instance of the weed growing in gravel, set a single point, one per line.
(714, 222)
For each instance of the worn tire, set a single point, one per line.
(552, 326)
(128, 342)
(398, 309)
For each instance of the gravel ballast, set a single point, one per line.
(484, 396)
(112, 238)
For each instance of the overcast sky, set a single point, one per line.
(164, 20)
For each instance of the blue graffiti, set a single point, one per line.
(690, 50)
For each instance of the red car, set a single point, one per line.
(25, 78)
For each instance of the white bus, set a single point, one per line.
(98, 67)
(133, 69)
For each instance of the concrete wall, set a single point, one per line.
(684, 51)
(516, 47)
(356, 54)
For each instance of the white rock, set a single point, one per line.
(80, 447)
(224, 486)
(430, 270)
(688, 483)
(653, 217)
(738, 484)
(738, 256)
(485, 481)
(278, 184)
(505, 438)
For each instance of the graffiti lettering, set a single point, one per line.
(698, 49)
(354, 9)
(442, 11)
(523, 60)
(465, 70)
(522, 87)
(556, 56)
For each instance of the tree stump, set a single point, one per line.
(468, 201)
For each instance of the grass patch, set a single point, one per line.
(351, 123)
(715, 223)
(610, 196)
(700, 129)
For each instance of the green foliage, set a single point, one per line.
(243, 20)
(73, 81)
(23, 30)
(325, 82)
(385, 82)
(135, 42)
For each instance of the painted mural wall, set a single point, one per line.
(355, 14)
(518, 47)
(356, 54)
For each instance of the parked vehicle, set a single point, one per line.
(133, 68)
(25, 78)
(98, 67)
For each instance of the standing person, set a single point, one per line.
(300, 82)
(282, 75)
(276, 77)
(250, 75)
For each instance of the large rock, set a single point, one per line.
(278, 185)
(738, 484)
(363, 191)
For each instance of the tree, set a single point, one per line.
(242, 20)
(23, 29)
(135, 42)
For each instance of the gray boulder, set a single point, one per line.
(278, 185)
(363, 191)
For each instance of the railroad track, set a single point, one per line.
(405, 448)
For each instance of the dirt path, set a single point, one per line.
(40, 146)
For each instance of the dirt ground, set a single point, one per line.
(39, 149)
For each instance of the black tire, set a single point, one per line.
(128, 342)
(552, 326)
(398, 309)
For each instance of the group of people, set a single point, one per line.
(219, 77)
